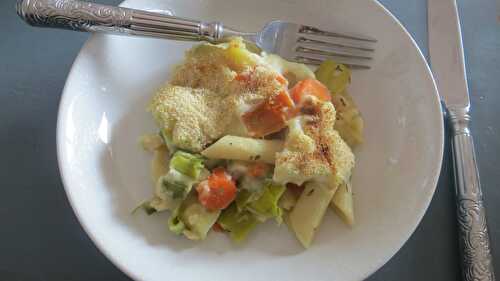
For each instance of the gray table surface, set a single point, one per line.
(40, 238)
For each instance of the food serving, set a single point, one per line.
(246, 137)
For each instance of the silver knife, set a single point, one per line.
(447, 61)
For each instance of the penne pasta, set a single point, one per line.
(308, 213)
(246, 137)
(350, 123)
(247, 149)
(342, 203)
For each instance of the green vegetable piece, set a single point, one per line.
(160, 205)
(175, 224)
(198, 220)
(185, 170)
(250, 189)
(187, 164)
(267, 205)
(192, 219)
(173, 186)
(237, 56)
(335, 76)
(178, 190)
(243, 198)
(238, 224)
(146, 207)
(205, 49)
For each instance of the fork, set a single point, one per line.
(294, 42)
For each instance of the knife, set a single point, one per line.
(447, 61)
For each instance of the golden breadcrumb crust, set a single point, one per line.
(314, 150)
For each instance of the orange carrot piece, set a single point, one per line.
(309, 87)
(218, 191)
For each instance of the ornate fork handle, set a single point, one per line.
(90, 17)
(473, 232)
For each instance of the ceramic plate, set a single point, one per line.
(106, 173)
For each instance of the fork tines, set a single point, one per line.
(315, 45)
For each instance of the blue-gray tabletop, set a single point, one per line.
(40, 237)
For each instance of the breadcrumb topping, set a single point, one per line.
(211, 90)
(314, 151)
(207, 93)
(193, 117)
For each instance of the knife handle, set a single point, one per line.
(473, 231)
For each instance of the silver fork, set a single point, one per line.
(294, 42)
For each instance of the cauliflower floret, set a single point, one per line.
(210, 91)
(193, 118)
(314, 151)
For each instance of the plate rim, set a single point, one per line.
(64, 172)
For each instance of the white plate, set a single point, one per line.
(106, 174)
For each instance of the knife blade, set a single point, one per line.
(446, 52)
(447, 61)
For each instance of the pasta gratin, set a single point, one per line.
(247, 137)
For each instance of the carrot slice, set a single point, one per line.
(218, 191)
(309, 87)
(281, 80)
(281, 101)
(268, 117)
(263, 120)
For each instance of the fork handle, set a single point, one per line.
(473, 230)
(90, 17)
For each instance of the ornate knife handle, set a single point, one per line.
(90, 17)
(473, 231)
